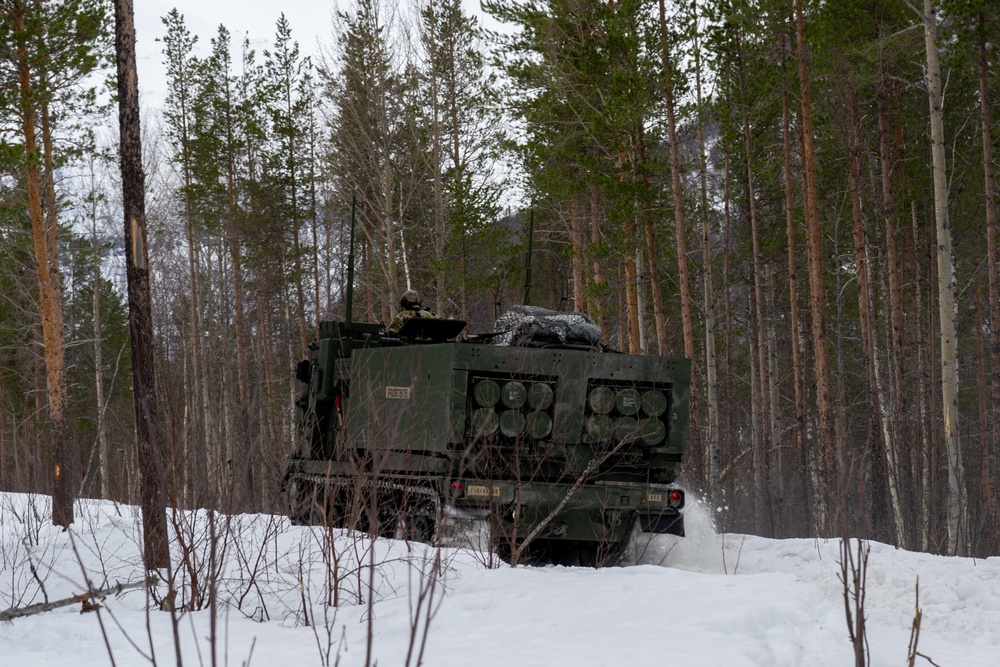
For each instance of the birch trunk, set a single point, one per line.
(882, 460)
(900, 472)
(457, 161)
(314, 219)
(392, 279)
(711, 362)
(102, 425)
(957, 511)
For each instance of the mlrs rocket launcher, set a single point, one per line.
(536, 436)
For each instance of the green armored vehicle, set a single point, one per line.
(536, 438)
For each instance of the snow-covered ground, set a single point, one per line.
(707, 599)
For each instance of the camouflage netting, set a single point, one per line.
(531, 326)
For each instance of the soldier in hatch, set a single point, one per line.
(409, 305)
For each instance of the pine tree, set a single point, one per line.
(364, 89)
(182, 81)
(285, 70)
(48, 49)
(465, 141)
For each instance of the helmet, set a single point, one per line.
(409, 300)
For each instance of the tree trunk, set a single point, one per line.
(993, 450)
(244, 431)
(659, 315)
(829, 454)
(631, 288)
(269, 399)
(773, 483)
(38, 357)
(598, 305)
(760, 395)
(756, 430)
(899, 460)
(881, 458)
(576, 239)
(727, 446)
(459, 167)
(640, 294)
(799, 430)
(958, 529)
(711, 362)
(678, 194)
(314, 219)
(66, 480)
(44, 237)
(387, 192)
(981, 519)
(300, 305)
(149, 448)
(440, 226)
(102, 424)
(197, 440)
(4, 481)
(923, 391)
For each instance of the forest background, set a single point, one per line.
(797, 195)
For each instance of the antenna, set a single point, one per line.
(350, 267)
(527, 259)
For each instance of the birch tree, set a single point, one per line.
(957, 502)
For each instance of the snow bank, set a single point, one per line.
(706, 599)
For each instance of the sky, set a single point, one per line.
(310, 20)
(706, 600)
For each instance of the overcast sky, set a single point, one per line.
(310, 20)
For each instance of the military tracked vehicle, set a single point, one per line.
(535, 435)
(535, 441)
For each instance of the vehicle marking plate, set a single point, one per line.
(482, 491)
(400, 393)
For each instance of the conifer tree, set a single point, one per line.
(465, 141)
(285, 71)
(48, 49)
(182, 81)
(364, 88)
